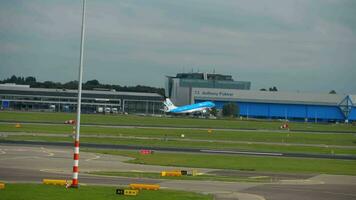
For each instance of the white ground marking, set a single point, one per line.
(301, 182)
(136, 171)
(94, 158)
(257, 177)
(21, 157)
(57, 171)
(2, 151)
(19, 149)
(45, 150)
(236, 195)
(310, 190)
(243, 152)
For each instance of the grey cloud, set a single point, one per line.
(139, 41)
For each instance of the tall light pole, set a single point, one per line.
(77, 130)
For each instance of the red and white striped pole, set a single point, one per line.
(75, 182)
(76, 164)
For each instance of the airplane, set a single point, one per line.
(202, 107)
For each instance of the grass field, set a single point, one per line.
(173, 122)
(45, 192)
(248, 163)
(248, 136)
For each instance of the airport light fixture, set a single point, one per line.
(77, 130)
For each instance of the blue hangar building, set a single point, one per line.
(296, 106)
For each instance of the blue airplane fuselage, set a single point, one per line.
(194, 107)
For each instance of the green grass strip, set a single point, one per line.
(249, 163)
(46, 192)
(248, 136)
(165, 121)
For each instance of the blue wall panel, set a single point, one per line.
(289, 111)
(296, 111)
(218, 104)
(254, 109)
(277, 111)
(352, 116)
(324, 113)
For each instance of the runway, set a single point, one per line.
(187, 150)
(6, 134)
(32, 163)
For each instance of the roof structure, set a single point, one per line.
(269, 97)
(26, 89)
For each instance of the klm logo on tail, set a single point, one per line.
(169, 106)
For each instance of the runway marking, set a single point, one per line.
(301, 182)
(2, 151)
(234, 195)
(308, 190)
(15, 158)
(44, 150)
(242, 152)
(20, 150)
(58, 171)
(136, 171)
(257, 177)
(95, 158)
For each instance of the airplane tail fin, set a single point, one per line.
(169, 105)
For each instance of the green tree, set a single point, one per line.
(89, 85)
(71, 85)
(214, 111)
(230, 110)
(30, 80)
(92, 82)
(273, 89)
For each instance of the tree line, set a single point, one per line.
(89, 85)
(274, 89)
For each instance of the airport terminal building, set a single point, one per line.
(295, 106)
(22, 97)
(180, 87)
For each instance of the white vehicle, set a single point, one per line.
(100, 109)
(114, 110)
(52, 107)
(107, 110)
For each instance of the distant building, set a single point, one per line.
(15, 97)
(282, 105)
(179, 88)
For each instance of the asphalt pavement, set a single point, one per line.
(32, 163)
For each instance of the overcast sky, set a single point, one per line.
(296, 45)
